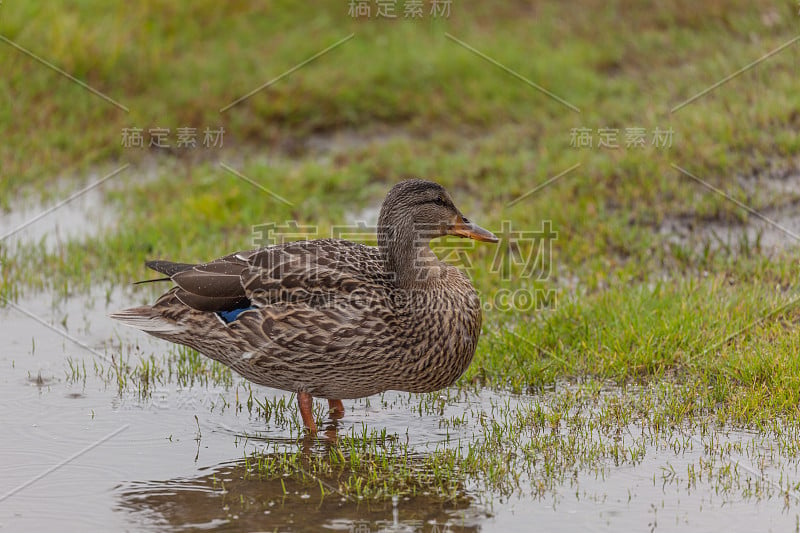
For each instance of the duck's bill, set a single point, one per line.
(472, 231)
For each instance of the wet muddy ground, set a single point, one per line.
(770, 230)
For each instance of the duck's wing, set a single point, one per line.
(300, 272)
(319, 304)
(214, 286)
(309, 270)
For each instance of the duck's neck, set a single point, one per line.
(408, 256)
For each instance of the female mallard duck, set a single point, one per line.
(333, 318)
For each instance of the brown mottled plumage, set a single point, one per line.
(333, 318)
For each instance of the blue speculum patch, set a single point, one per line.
(230, 316)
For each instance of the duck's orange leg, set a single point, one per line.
(306, 403)
(337, 408)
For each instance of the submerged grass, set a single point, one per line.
(130, 370)
(486, 447)
(514, 445)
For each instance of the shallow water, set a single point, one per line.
(81, 213)
(80, 453)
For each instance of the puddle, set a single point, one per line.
(59, 221)
(228, 495)
(171, 449)
(347, 140)
(776, 230)
(737, 238)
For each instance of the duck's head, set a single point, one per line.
(416, 211)
(427, 209)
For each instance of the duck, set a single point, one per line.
(332, 318)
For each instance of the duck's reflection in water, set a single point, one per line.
(303, 493)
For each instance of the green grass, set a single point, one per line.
(735, 344)
(632, 306)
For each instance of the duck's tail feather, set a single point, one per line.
(151, 281)
(146, 319)
(168, 268)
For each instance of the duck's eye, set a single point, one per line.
(440, 202)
